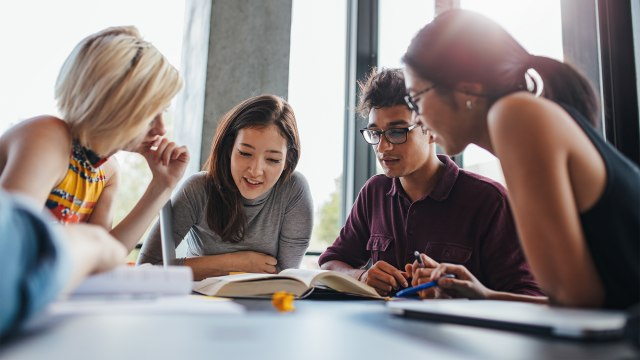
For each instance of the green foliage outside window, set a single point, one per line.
(327, 224)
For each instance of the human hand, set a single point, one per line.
(254, 262)
(384, 277)
(421, 273)
(464, 285)
(166, 160)
(93, 249)
(427, 263)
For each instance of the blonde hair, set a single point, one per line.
(111, 87)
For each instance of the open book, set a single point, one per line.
(299, 282)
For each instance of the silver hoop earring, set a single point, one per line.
(469, 105)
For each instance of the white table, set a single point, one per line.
(316, 330)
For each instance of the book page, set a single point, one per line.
(305, 275)
(247, 285)
(346, 284)
(333, 279)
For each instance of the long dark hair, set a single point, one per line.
(464, 46)
(225, 214)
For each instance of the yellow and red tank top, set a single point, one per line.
(74, 198)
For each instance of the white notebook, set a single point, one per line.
(183, 304)
(145, 279)
(138, 280)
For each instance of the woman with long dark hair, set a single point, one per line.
(248, 211)
(575, 198)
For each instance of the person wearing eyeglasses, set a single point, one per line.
(575, 197)
(424, 202)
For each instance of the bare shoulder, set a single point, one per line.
(525, 110)
(44, 123)
(40, 145)
(42, 131)
(523, 117)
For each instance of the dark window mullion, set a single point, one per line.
(619, 82)
(362, 55)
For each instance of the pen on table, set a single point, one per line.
(415, 289)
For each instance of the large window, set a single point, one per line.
(396, 29)
(37, 36)
(317, 93)
(399, 21)
(536, 24)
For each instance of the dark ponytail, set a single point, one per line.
(564, 84)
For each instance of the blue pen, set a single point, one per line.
(412, 290)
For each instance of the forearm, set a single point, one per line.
(83, 256)
(344, 268)
(500, 295)
(132, 227)
(91, 250)
(213, 265)
(291, 253)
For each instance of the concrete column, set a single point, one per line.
(191, 101)
(232, 49)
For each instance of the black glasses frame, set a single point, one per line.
(411, 100)
(384, 133)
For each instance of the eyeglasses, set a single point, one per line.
(411, 100)
(393, 135)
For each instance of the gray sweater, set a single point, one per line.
(278, 223)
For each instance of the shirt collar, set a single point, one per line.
(442, 187)
(89, 155)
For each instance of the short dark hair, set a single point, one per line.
(381, 88)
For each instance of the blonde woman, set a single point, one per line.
(111, 92)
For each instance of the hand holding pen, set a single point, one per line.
(385, 278)
(419, 270)
(453, 281)
(423, 264)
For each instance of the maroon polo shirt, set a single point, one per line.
(465, 220)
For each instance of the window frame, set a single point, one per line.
(362, 54)
(597, 38)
